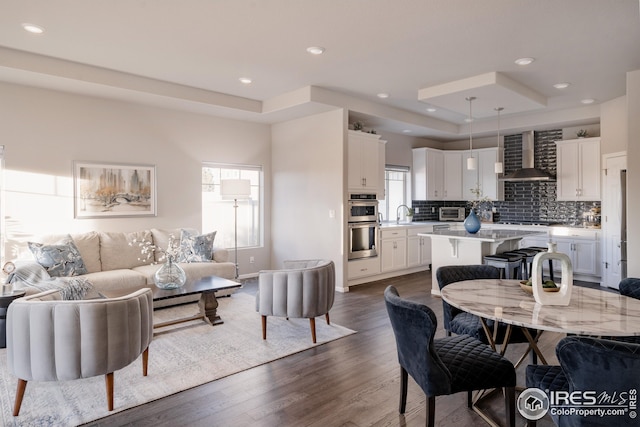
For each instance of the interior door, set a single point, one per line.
(611, 220)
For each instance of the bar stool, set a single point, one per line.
(510, 262)
(540, 249)
(528, 254)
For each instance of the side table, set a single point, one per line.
(5, 300)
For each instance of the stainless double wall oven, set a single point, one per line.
(363, 226)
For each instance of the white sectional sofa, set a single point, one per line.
(112, 263)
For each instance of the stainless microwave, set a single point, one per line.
(451, 214)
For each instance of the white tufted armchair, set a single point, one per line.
(303, 289)
(49, 339)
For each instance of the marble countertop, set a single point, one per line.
(492, 235)
(590, 312)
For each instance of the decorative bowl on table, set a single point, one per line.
(549, 286)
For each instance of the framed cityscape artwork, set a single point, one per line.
(110, 190)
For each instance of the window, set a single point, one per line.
(218, 214)
(397, 190)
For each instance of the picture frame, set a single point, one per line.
(113, 190)
(486, 215)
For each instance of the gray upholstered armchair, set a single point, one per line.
(49, 339)
(303, 289)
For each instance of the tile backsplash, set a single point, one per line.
(527, 202)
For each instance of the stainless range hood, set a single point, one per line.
(528, 172)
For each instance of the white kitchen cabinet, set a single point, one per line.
(578, 169)
(418, 247)
(452, 175)
(427, 173)
(364, 267)
(437, 175)
(365, 163)
(583, 250)
(393, 253)
(584, 255)
(484, 177)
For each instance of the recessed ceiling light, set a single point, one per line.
(468, 120)
(34, 29)
(383, 95)
(524, 61)
(562, 85)
(588, 101)
(431, 110)
(315, 50)
(406, 131)
(245, 80)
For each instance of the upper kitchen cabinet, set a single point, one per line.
(366, 159)
(452, 175)
(428, 174)
(484, 177)
(578, 169)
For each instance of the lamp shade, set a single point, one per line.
(472, 163)
(231, 189)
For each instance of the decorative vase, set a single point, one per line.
(170, 275)
(563, 296)
(472, 222)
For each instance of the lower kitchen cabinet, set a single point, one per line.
(418, 247)
(584, 252)
(357, 268)
(393, 253)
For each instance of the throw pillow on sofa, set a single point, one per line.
(61, 259)
(195, 247)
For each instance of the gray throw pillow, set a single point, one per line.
(61, 259)
(196, 248)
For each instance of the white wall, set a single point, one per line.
(308, 165)
(633, 172)
(613, 125)
(45, 131)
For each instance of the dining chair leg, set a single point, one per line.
(22, 385)
(404, 378)
(264, 327)
(469, 399)
(510, 405)
(326, 316)
(431, 411)
(108, 378)
(312, 323)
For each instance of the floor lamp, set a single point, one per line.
(234, 189)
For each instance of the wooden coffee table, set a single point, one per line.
(208, 304)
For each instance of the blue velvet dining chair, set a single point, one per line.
(629, 287)
(590, 364)
(446, 365)
(455, 320)
(462, 323)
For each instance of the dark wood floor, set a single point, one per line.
(351, 382)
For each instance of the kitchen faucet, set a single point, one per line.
(398, 213)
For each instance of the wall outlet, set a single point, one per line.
(252, 260)
(433, 210)
(417, 210)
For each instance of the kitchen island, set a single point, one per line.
(457, 247)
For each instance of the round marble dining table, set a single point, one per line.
(590, 311)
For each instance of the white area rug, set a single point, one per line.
(180, 357)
